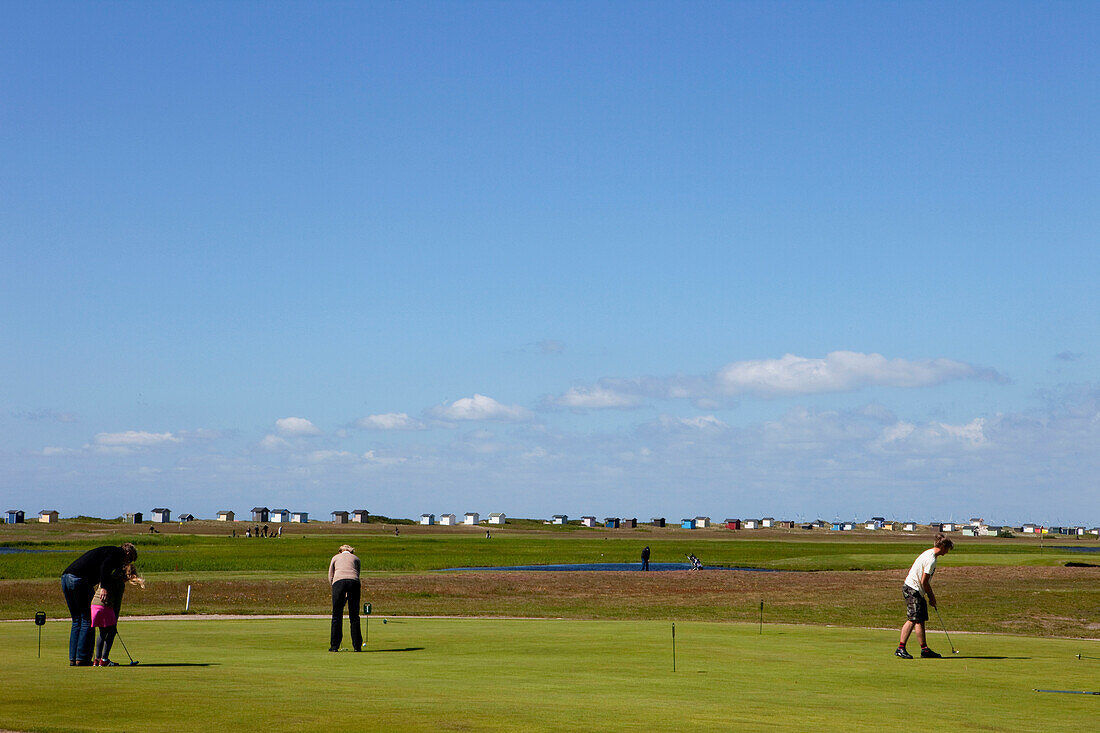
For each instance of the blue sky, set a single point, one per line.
(792, 259)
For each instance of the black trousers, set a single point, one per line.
(345, 591)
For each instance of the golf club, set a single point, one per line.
(1070, 692)
(944, 626)
(119, 637)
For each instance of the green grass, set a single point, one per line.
(432, 551)
(427, 674)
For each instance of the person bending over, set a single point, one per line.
(918, 596)
(78, 583)
(343, 574)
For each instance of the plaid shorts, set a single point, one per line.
(915, 605)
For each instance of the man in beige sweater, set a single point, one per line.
(343, 575)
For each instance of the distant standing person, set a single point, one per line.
(918, 596)
(343, 575)
(78, 583)
(645, 558)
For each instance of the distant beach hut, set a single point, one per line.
(631, 523)
(339, 517)
(260, 514)
(360, 516)
(733, 524)
(588, 521)
(299, 517)
(187, 518)
(497, 518)
(611, 522)
(280, 515)
(162, 515)
(47, 516)
(559, 519)
(702, 522)
(448, 520)
(471, 518)
(687, 523)
(16, 516)
(427, 519)
(226, 516)
(767, 522)
(134, 518)
(750, 524)
(657, 521)
(909, 526)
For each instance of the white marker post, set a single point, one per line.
(187, 607)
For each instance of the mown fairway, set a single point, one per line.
(429, 674)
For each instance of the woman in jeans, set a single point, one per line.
(343, 575)
(78, 583)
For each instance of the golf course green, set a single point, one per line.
(489, 674)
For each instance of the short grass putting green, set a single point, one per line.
(482, 674)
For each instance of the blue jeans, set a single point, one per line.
(78, 595)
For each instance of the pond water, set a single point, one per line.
(615, 566)
(1075, 549)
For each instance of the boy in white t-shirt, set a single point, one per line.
(918, 595)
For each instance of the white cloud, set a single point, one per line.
(597, 398)
(371, 457)
(933, 435)
(323, 456)
(296, 427)
(839, 371)
(390, 421)
(134, 439)
(703, 422)
(480, 407)
(274, 442)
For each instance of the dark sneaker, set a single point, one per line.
(108, 663)
(927, 653)
(900, 652)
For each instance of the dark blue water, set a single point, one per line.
(616, 566)
(12, 550)
(1075, 549)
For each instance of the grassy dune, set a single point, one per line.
(985, 585)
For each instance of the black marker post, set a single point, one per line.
(40, 621)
